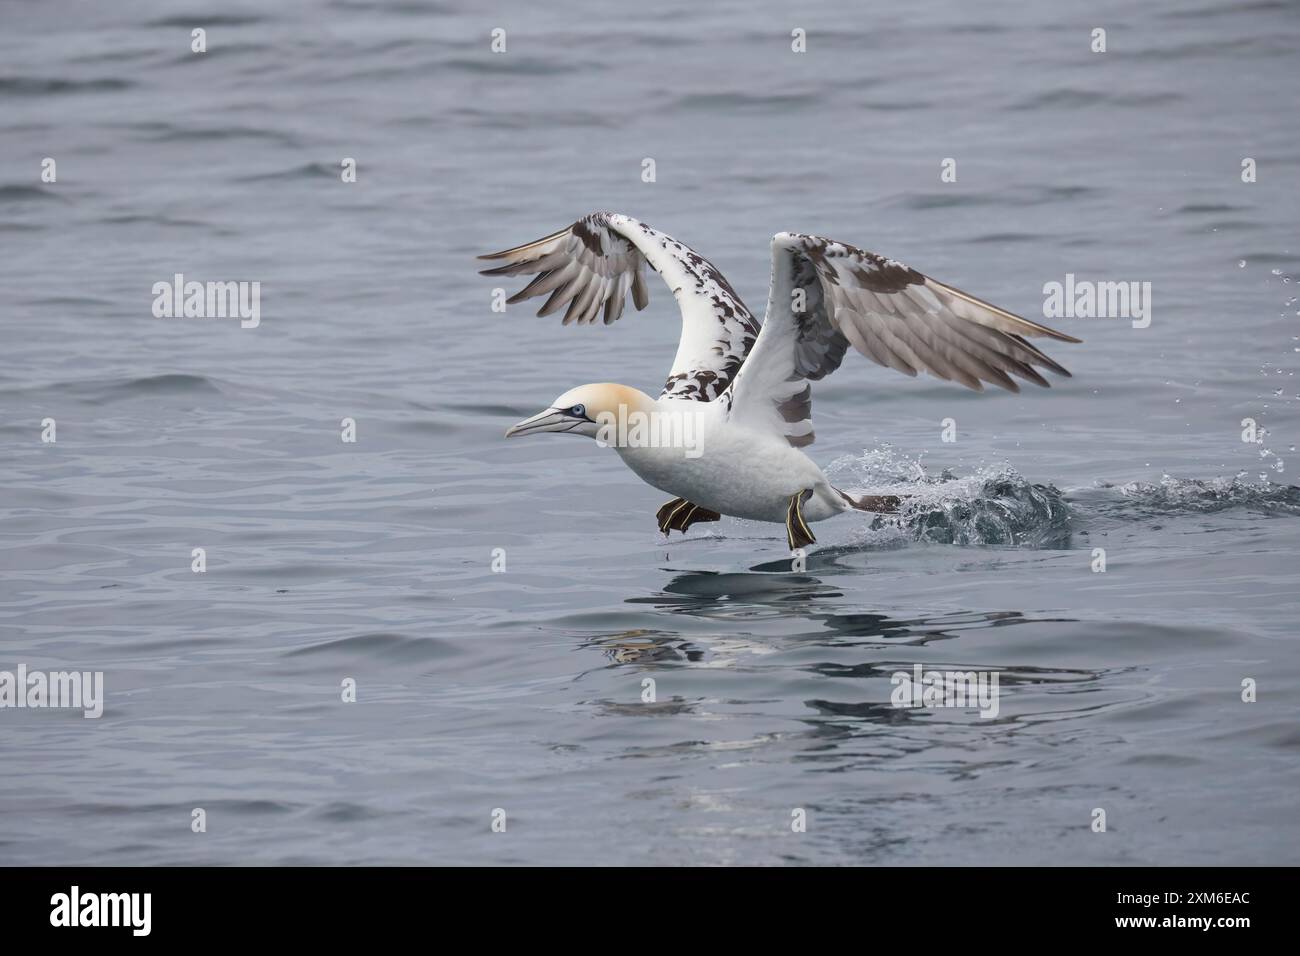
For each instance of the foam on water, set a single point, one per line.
(995, 505)
(1172, 495)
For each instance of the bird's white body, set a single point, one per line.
(730, 468)
(737, 406)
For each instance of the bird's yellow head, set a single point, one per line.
(582, 410)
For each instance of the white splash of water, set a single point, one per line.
(995, 505)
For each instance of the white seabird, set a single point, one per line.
(737, 406)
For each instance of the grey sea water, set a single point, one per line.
(522, 690)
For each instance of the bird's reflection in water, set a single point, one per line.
(742, 607)
(750, 598)
(761, 625)
(641, 646)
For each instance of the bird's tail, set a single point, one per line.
(879, 504)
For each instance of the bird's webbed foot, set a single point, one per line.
(797, 533)
(679, 514)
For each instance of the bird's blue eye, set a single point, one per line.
(579, 410)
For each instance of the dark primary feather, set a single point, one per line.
(590, 268)
(828, 295)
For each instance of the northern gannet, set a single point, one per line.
(724, 435)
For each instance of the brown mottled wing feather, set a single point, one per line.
(589, 269)
(828, 295)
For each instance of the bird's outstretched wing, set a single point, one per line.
(826, 296)
(592, 265)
